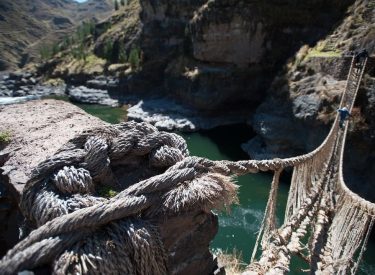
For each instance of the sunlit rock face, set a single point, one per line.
(221, 35)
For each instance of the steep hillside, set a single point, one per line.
(27, 25)
(93, 48)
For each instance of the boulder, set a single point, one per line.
(306, 106)
(37, 130)
(83, 94)
(118, 68)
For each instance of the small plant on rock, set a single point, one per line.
(107, 192)
(5, 137)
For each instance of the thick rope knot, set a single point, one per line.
(96, 159)
(46, 206)
(70, 180)
(165, 156)
(82, 230)
(123, 144)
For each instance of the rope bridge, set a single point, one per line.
(80, 231)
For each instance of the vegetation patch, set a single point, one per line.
(315, 53)
(5, 137)
(107, 192)
(95, 46)
(92, 59)
(323, 49)
(75, 44)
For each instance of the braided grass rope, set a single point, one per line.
(79, 231)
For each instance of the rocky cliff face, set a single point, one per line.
(224, 52)
(227, 52)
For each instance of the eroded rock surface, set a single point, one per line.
(226, 52)
(83, 94)
(38, 129)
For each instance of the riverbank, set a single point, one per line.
(162, 112)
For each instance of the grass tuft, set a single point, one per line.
(5, 137)
(107, 192)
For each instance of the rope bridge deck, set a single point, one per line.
(78, 231)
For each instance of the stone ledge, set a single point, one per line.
(38, 129)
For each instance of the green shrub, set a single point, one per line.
(47, 51)
(76, 43)
(101, 28)
(66, 43)
(79, 40)
(5, 137)
(84, 30)
(107, 192)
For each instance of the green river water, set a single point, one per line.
(237, 229)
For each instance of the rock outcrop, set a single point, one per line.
(38, 129)
(26, 85)
(83, 94)
(226, 52)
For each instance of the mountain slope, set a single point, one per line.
(24, 24)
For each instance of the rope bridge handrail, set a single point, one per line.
(324, 175)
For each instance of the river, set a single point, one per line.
(237, 229)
